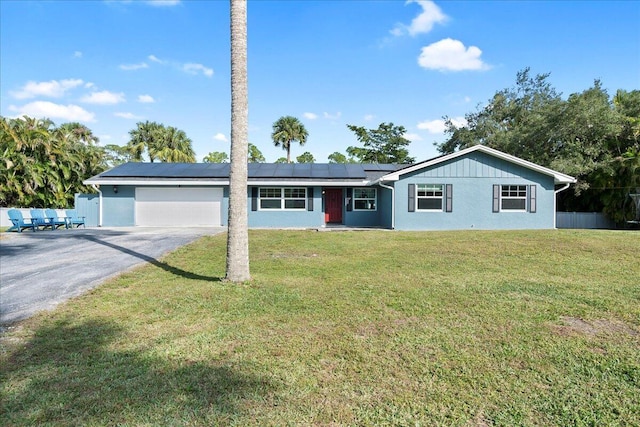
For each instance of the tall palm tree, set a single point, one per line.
(238, 234)
(172, 145)
(141, 139)
(288, 129)
(166, 144)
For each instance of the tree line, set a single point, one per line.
(44, 165)
(589, 135)
(386, 144)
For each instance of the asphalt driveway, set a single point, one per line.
(39, 270)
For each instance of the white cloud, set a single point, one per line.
(53, 88)
(46, 109)
(154, 58)
(220, 137)
(438, 126)
(104, 98)
(369, 117)
(163, 3)
(146, 99)
(458, 121)
(129, 116)
(133, 67)
(310, 116)
(424, 22)
(77, 54)
(451, 55)
(192, 68)
(433, 126)
(412, 137)
(335, 116)
(188, 67)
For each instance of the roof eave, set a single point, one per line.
(209, 182)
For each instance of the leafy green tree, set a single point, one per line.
(383, 145)
(287, 130)
(522, 121)
(627, 104)
(614, 182)
(282, 160)
(216, 157)
(305, 157)
(610, 177)
(337, 157)
(44, 165)
(255, 155)
(116, 155)
(588, 136)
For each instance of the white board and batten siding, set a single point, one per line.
(178, 207)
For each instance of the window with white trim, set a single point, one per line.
(364, 199)
(293, 198)
(513, 198)
(429, 197)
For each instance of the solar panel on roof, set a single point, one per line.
(303, 170)
(255, 170)
(262, 170)
(168, 170)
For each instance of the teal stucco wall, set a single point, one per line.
(286, 218)
(472, 178)
(118, 209)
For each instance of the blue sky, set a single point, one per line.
(111, 64)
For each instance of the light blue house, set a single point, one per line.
(478, 188)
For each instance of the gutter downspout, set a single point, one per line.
(555, 201)
(393, 204)
(97, 187)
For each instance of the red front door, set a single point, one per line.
(333, 205)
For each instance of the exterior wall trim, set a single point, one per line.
(264, 183)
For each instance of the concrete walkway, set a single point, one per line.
(39, 270)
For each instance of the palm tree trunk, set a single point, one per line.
(238, 235)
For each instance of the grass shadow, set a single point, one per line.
(73, 374)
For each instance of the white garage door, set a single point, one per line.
(178, 207)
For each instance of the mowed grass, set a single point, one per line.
(535, 328)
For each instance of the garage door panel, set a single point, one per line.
(183, 207)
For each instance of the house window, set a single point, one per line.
(283, 198)
(429, 197)
(513, 198)
(364, 199)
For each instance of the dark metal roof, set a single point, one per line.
(292, 171)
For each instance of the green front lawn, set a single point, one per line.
(371, 328)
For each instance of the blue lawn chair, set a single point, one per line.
(74, 219)
(19, 222)
(41, 220)
(58, 221)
